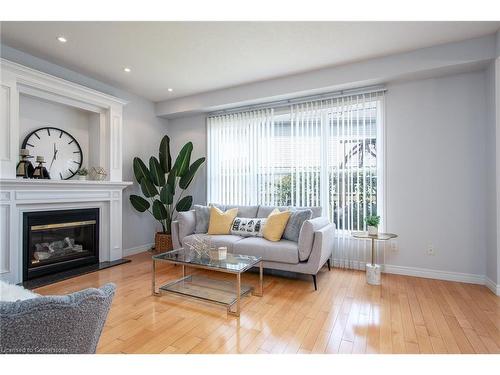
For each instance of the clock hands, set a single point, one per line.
(53, 157)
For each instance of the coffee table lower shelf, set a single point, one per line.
(207, 289)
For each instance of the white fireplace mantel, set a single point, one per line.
(18, 196)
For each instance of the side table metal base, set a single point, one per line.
(373, 274)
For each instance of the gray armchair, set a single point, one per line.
(55, 324)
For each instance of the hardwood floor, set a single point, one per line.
(404, 315)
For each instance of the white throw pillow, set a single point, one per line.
(12, 293)
(247, 227)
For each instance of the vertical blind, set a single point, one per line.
(324, 153)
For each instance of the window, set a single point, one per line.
(324, 153)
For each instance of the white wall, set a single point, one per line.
(183, 130)
(438, 180)
(491, 207)
(142, 134)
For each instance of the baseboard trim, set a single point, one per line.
(137, 249)
(428, 274)
(490, 284)
(435, 274)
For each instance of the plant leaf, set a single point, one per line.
(184, 204)
(140, 170)
(159, 210)
(164, 154)
(148, 189)
(181, 164)
(139, 203)
(166, 195)
(156, 171)
(171, 180)
(188, 177)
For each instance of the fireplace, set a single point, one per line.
(56, 241)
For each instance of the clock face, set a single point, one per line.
(62, 153)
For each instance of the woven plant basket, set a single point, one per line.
(163, 242)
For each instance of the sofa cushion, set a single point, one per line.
(297, 218)
(316, 211)
(283, 251)
(264, 211)
(202, 214)
(306, 237)
(187, 223)
(243, 211)
(216, 240)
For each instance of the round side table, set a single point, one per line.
(372, 269)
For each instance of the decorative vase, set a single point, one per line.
(82, 178)
(163, 242)
(372, 231)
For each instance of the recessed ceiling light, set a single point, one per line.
(127, 70)
(170, 90)
(62, 39)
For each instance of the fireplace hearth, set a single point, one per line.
(60, 240)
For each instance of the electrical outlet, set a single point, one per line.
(431, 251)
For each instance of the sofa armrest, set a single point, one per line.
(185, 225)
(306, 236)
(324, 242)
(176, 242)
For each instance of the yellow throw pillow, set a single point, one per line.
(220, 222)
(275, 225)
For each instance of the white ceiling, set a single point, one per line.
(193, 57)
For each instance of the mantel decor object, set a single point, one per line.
(97, 174)
(40, 171)
(24, 168)
(82, 174)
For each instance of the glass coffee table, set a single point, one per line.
(204, 288)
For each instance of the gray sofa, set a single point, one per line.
(55, 324)
(306, 256)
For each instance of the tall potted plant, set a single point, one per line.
(159, 185)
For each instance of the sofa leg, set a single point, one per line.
(314, 281)
(329, 265)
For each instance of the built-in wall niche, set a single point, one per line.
(31, 99)
(83, 125)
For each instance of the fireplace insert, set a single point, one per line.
(56, 241)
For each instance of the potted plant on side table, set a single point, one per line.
(159, 186)
(372, 222)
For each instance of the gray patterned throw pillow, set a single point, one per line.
(297, 218)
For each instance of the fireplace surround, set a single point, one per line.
(58, 240)
(20, 196)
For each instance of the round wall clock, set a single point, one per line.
(63, 155)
